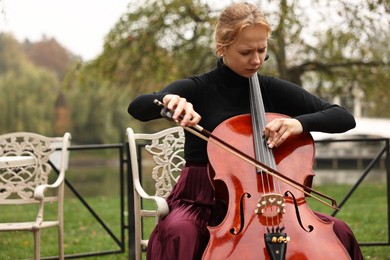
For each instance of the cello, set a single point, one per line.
(265, 217)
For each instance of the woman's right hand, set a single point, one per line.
(184, 112)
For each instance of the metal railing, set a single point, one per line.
(382, 154)
(120, 241)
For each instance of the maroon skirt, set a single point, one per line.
(183, 234)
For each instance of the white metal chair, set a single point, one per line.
(29, 184)
(164, 150)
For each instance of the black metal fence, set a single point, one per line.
(125, 241)
(379, 157)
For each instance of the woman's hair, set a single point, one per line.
(233, 19)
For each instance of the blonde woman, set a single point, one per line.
(241, 40)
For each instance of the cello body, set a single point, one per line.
(241, 234)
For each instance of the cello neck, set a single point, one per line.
(262, 152)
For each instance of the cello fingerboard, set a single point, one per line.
(262, 152)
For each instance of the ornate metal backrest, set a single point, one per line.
(19, 183)
(168, 155)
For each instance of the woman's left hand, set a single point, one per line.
(278, 130)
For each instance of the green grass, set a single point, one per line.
(83, 234)
(365, 213)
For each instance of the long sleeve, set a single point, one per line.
(334, 119)
(143, 107)
(314, 113)
(221, 94)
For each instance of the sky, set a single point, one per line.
(78, 25)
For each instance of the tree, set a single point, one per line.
(48, 53)
(10, 53)
(144, 51)
(28, 93)
(156, 42)
(337, 56)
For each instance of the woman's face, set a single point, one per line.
(246, 55)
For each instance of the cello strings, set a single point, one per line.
(258, 141)
(252, 162)
(263, 153)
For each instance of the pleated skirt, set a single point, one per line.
(183, 234)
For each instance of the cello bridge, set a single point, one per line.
(271, 201)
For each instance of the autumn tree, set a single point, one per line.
(332, 50)
(48, 53)
(51, 55)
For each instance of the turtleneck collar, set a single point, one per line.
(227, 77)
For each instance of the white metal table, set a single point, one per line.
(16, 161)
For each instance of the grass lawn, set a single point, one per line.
(365, 212)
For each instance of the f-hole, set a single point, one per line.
(242, 217)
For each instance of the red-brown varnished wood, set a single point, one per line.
(294, 158)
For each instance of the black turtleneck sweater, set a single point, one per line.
(221, 93)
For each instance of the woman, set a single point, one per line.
(241, 39)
